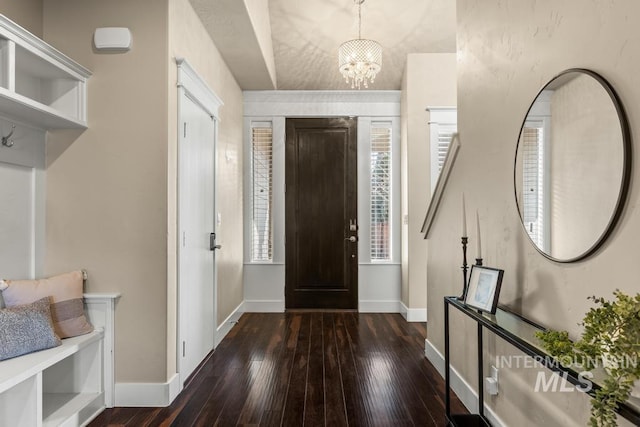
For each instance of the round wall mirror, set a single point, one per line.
(572, 165)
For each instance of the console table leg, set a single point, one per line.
(480, 373)
(447, 398)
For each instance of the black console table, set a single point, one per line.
(519, 332)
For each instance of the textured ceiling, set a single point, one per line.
(302, 38)
(306, 35)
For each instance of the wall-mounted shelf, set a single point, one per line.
(519, 332)
(39, 85)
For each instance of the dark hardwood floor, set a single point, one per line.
(308, 369)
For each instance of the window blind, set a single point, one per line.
(445, 133)
(532, 180)
(380, 193)
(443, 124)
(261, 192)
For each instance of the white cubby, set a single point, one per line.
(39, 85)
(68, 385)
(21, 404)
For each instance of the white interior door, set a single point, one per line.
(196, 269)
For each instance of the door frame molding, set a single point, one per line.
(264, 282)
(190, 84)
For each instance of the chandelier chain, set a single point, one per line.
(359, 20)
(359, 60)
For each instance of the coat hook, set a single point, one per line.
(5, 139)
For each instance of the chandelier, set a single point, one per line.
(359, 60)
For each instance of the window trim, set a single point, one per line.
(388, 125)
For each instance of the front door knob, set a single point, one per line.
(352, 239)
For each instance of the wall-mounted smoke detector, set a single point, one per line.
(112, 39)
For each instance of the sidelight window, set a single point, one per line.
(261, 191)
(380, 192)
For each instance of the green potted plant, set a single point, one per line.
(611, 339)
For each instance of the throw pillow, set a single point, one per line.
(65, 292)
(26, 328)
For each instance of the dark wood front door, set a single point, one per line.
(321, 211)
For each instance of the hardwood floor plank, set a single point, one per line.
(382, 372)
(307, 369)
(314, 406)
(265, 374)
(250, 362)
(119, 416)
(293, 410)
(359, 409)
(335, 408)
(416, 392)
(284, 364)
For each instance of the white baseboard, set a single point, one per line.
(147, 394)
(228, 323)
(462, 388)
(162, 394)
(413, 314)
(372, 306)
(263, 306)
(277, 306)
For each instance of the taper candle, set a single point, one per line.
(464, 218)
(478, 244)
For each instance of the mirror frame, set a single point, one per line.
(626, 165)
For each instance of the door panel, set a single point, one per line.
(321, 201)
(196, 222)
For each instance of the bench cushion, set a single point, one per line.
(65, 292)
(26, 328)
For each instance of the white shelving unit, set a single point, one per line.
(59, 386)
(39, 85)
(68, 385)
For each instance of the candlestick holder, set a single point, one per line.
(464, 267)
(478, 261)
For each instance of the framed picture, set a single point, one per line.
(484, 288)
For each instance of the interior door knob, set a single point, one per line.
(352, 239)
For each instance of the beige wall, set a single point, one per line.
(107, 186)
(26, 13)
(507, 51)
(189, 39)
(115, 183)
(429, 80)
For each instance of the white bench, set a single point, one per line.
(68, 385)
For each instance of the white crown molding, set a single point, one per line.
(197, 88)
(24, 38)
(325, 103)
